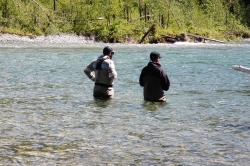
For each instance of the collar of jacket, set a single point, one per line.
(102, 58)
(155, 64)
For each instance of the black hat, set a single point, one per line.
(154, 55)
(107, 50)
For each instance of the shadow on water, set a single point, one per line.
(97, 104)
(239, 91)
(103, 103)
(241, 127)
(153, 106)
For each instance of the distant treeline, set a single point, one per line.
(126, 20)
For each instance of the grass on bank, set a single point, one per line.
(120, 21)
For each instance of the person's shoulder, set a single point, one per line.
(145, 68)
(108, 60)
(94, 60)
(163, 71)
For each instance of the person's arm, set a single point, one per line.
(89, 72)
(141, 77)
(165, 81)
(111, 70)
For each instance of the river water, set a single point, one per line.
(49, 117)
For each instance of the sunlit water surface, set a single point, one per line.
(49, 117)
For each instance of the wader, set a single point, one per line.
(102, 90)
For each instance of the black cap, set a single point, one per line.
(107, 50)
(155, 55)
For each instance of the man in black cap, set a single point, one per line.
(154, 79)
(102, 72)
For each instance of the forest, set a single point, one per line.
(127, 20)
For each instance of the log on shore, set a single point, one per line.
(150, 29)
(200, 38)
(169, 39)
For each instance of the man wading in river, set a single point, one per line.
(104, 74)
(154, 79)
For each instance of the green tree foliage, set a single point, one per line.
(245, 14)
(118, 20)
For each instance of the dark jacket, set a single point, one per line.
(154, 80)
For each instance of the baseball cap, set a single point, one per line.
(154, 55)
(107, 50)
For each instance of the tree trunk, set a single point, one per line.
(140, 8)
(54, 5)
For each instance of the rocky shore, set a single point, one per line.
(73, 38)
(60, 38)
